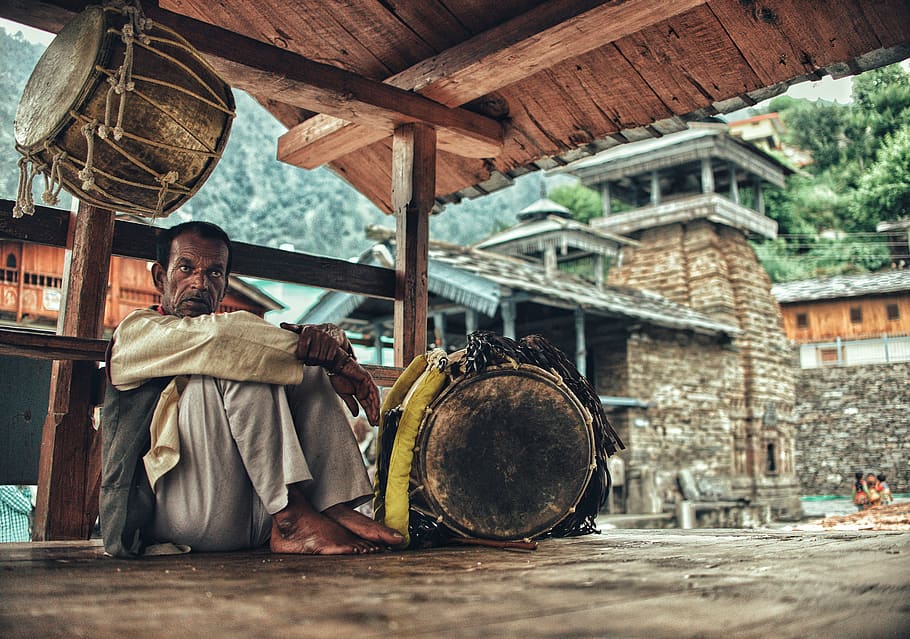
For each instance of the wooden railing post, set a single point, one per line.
(413, 196)
(69, 465)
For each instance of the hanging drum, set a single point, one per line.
(123, 113)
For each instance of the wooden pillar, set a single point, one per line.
(581, 349)
(69, 469)
(549, 261)
(21, 266)
(707, 176)
(655, 188)
(377, 345)
(734, 187)
(439, 328)
(413, 196)
(507, 308)
(605, 199)
(470, 321)
(758, 196)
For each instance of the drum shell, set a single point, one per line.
(505, 454)
(177, 118)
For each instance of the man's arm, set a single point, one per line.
(238, 346)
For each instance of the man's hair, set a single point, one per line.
(205, 230)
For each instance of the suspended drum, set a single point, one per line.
(123, 113)
(505, 454)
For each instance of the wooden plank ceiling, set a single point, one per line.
(510, 85)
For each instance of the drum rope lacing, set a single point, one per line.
(133, 33)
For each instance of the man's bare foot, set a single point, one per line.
(299, 529)
(363, 526)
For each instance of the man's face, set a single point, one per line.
(194, 282)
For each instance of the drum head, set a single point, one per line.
(505, 454)
(60, 80)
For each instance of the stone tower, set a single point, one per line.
(692, 200)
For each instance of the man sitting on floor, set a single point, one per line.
(224, 432)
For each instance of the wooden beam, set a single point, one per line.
(49, 226)
(544, 36)
(277, 74)
(38, 345)
(67, 503)
(413, 195)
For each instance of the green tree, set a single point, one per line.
(884, 190)
(584, 203)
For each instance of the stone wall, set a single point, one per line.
(693, 385)
(852, 418)
(712, 269)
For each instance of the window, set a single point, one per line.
(827, 356)
(893, 311)
(11, 260)
(771, 464)
(802, 320)
(856, 314)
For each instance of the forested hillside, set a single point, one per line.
(260, 200)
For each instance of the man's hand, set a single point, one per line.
(326, 345)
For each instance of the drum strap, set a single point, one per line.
(394, 508)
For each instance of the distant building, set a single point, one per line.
(848, 320)
(766, 131)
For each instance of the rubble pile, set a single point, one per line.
(891, 517)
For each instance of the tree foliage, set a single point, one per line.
(860, 175)
(584, 203)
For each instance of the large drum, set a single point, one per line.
(505, 454)
(122, 113)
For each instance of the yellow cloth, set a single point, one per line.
(165, 449)
(238, 346)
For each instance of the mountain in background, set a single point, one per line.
(260, 200)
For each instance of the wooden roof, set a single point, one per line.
(511, 86)
(480, 280)
(843, 286)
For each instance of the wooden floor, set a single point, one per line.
(623, 583)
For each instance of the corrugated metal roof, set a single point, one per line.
(842, 286)
(479, 279)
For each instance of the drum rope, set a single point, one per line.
(25, 204)
(53, 182)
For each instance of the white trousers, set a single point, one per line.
(241, 445)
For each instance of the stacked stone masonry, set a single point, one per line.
(852, 418)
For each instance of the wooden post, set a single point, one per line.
(655, 188)
(470, 321)
(69, 465)
(707, 176)
(605, 198)
(377, 346)
(21, 266)
(413, 195)
(581, 347)
(507, 308)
